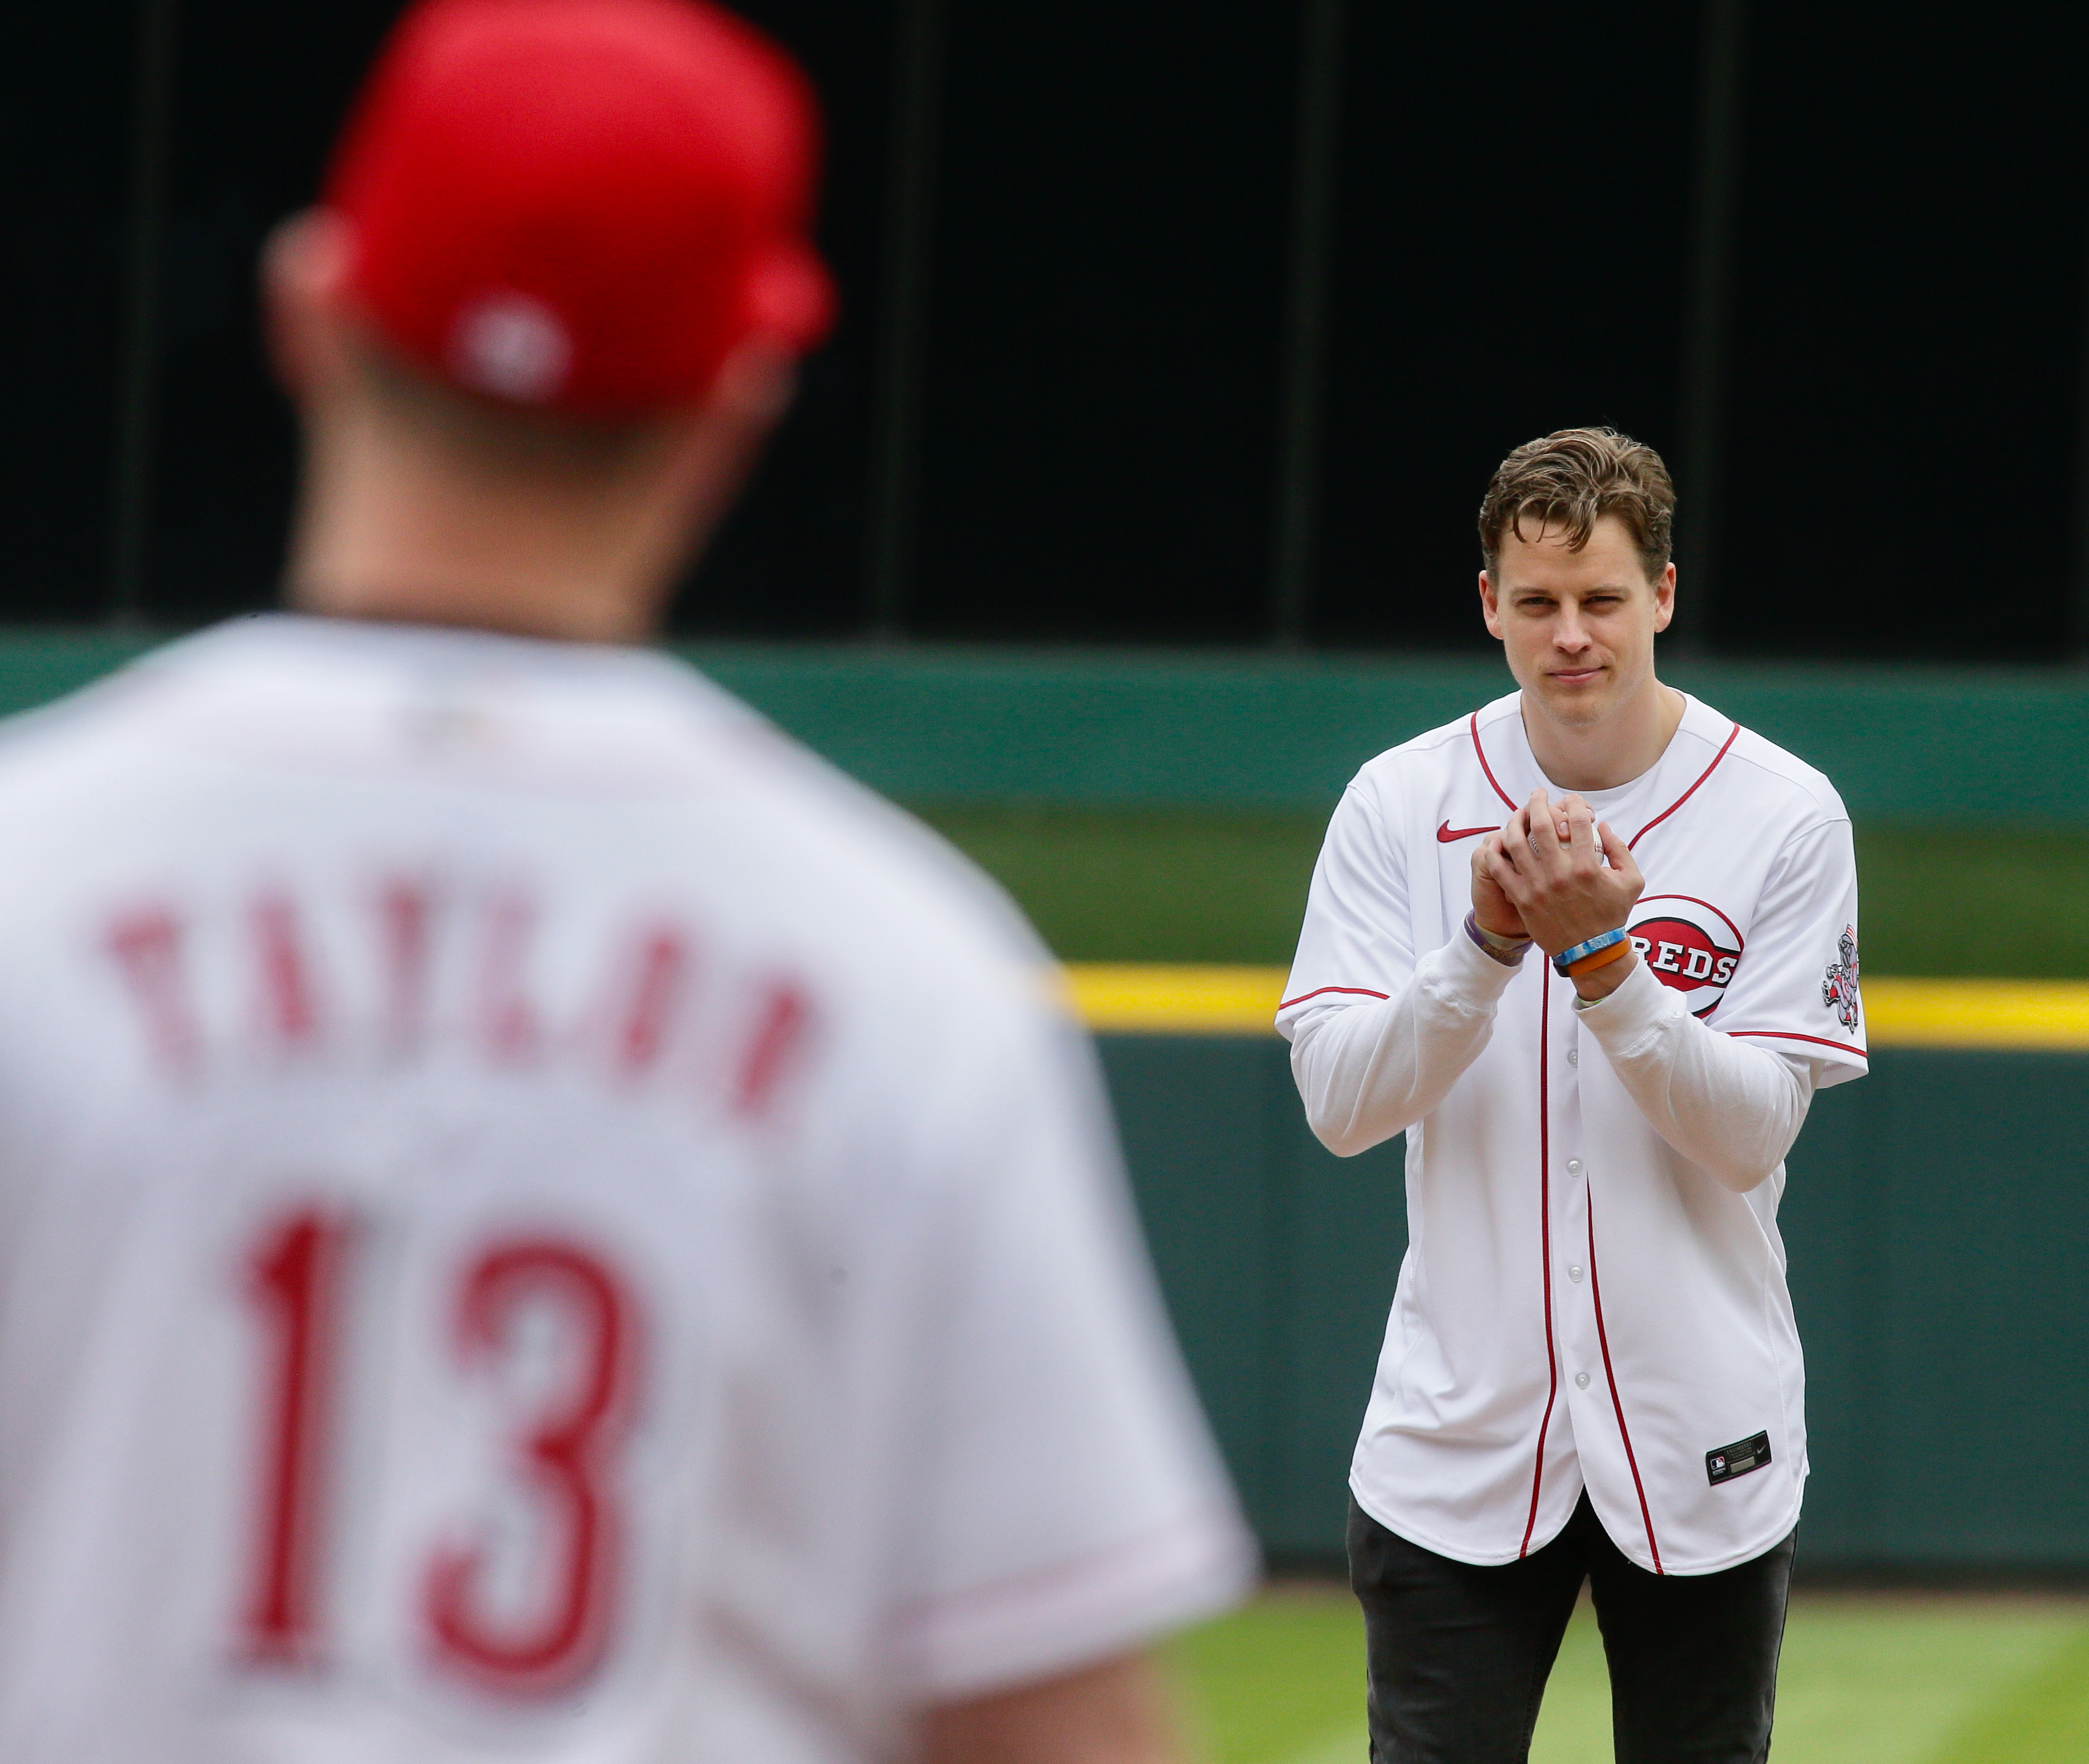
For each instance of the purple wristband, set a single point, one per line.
(1507, 951)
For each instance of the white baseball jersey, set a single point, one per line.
(536, 1221)
(1580, 1304)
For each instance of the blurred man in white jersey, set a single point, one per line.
(540, 1222)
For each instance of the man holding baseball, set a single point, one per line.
(1593, 948)
(537, 1220)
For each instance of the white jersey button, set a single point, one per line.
(1573, 1166)
(1573, 1056)
(1574, 1273)
(1581, 1381)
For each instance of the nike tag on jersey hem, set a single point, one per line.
(1738, 1459)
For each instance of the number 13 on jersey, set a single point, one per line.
(515, 1301)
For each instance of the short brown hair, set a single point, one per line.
(1569, 480)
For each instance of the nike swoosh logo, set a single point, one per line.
(1446, 832)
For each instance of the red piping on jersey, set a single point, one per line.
(1544, 1248)
(1793, 1034)
(1363, 991)
(1625, 1432)
(1685, 797)
(1482, 752)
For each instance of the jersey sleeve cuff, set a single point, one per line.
(1063, 1616)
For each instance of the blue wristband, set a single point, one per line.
(1566, 958)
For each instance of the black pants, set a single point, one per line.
(1459, 1655)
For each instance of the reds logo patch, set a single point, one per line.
(1838, 986)
(1689, 944)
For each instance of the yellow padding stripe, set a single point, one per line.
(1138, 998)
(1978, 1013)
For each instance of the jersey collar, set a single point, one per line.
(1510, 771)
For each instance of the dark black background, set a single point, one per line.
(1902, 441)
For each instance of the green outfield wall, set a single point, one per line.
(1971, 747)
(1937, 1223)
(1902, 744)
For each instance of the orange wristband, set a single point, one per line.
(1603, 958)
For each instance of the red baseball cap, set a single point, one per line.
(582, 205)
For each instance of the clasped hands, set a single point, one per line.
(1542, 875)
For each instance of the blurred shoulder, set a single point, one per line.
(49, 750)
(852, 859)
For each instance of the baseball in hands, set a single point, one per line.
(1557, 874)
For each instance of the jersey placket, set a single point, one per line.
(1579, 1364)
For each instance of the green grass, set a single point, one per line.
(1951, 901)
(1867, 1679)
(1129, 885)
(1271, 1682)
(1193, 885)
